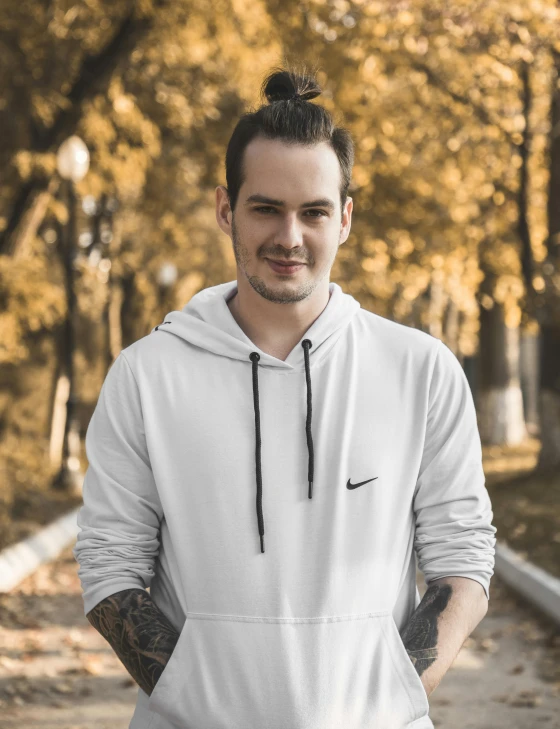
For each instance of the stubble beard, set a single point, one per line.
(283, 294)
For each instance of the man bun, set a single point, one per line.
(290, 118)
(282, 85)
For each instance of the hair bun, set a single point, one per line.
(281, 85)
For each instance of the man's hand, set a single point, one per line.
(138, 632)
(450, 610)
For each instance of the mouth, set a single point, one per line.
(286, 268)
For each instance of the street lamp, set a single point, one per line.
(167, 274)
(72, 161)
(166, 278)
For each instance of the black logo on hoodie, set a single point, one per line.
(355, 485)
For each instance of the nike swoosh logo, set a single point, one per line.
(355, 485)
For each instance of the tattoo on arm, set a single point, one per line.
(138, 632)
(421, 633)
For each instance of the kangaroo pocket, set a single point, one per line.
(234, 672)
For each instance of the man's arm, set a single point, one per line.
(138, 632)
(450, 610)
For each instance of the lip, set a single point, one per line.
(282, 267)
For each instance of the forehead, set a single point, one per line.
(290, 171)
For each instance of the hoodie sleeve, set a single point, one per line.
(121, 513)
(454, 532)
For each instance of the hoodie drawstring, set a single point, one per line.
(255, 357)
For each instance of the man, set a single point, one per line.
(358, 436)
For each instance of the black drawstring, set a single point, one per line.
(308, 420)
(255, 357)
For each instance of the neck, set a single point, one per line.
(273, 327)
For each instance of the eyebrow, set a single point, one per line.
(324, 202)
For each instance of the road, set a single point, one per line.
(57, 672)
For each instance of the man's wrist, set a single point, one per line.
(138, 631)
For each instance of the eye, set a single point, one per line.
(266, 209)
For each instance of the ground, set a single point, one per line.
(57, 672)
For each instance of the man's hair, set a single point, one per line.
(291, 117)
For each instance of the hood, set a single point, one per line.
(207, 322)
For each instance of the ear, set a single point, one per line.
(346, 220)
(223, 209)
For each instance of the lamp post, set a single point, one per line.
(72, 162)
(166, 278)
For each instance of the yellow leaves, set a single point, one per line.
(29, 164)
(486, 190)
(403, 244)
(462, 213)
(451, 175)
(31, 304)
(508, 288)
(538, 283)
(371, 7)
(389, 147)
(375, 246)
(96, 125)
(404, 18)
(47, 107)
(375, 265)
(123, 104)
(12, 349)
(387, 127)
(59, 210)
(361, 175)
(423, 187)
(367, 144)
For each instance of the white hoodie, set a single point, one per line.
(201, 455)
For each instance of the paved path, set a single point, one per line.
(57, 672)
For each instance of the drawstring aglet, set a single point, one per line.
(262, 542)
(310, 494)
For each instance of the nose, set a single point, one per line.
(289, 233)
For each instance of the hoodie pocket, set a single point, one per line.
(237, 672)
(169, 681)
(406, 670)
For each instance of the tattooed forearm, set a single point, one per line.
(420, 635)
(138, 632)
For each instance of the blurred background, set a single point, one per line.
(114, 121)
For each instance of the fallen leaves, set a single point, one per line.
(524, 698)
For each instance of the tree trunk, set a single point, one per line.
(112, 314)
(436, 307)
(529, 372)
(58, 419)
(451, 328)
(549, 400)
(69, 476)
(499, 398)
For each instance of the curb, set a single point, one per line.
(22, 559)
(535, 584)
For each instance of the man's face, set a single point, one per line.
(273, 218)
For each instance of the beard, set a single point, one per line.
(288, 292)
